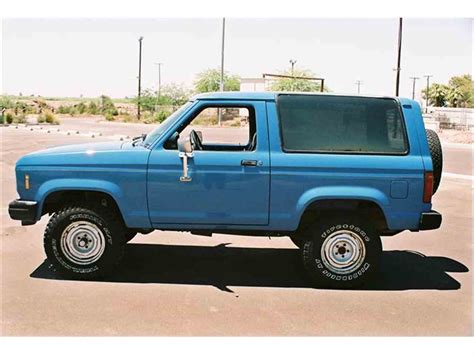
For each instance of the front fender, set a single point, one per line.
(98, 185)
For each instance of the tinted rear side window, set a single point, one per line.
(341, 124)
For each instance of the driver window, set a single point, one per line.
(235, 132)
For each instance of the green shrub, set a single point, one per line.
(64, 110)
(50, 118)
(19, 119)
(47, 117)
(111, 111)
(106, 104)
(6, 102)
(81, 108)
(161, 116)
(9, 117)
(109, 116)
(92, 108)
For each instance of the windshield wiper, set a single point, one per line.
(135, 140)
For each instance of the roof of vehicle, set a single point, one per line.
(267, 95)
(237, 95)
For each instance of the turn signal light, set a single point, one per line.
(27, 181)
(428, 187)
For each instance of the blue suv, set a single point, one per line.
(334, 173)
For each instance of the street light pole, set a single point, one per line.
(221, 84)
(427, 91)
(397, 84)
(222, 55)
(358, 83)
(139, 75)
(414, 78)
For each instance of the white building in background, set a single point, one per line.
(252, 84)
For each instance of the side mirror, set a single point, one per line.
(185, 151)
(185, 146)
(172, 142)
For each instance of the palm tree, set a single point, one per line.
(438, 94)
(454, 96)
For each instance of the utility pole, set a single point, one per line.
(221, 86)
(139, 75)
(358, 83)
(158, 91)
(427, 91)
(397, 84)
(292, 62)
(414, 78)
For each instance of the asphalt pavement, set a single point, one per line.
(172, 283)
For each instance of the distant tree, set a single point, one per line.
(454, 97)
(147, 100)
(171, 95)
(209, 80)
(458, 92)
(302, 85)
(175, 95)
(6, 102)
(437, 94)
(463, 90)
(107, 105)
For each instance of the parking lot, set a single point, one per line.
(173, 283)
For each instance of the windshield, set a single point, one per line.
(158, 131)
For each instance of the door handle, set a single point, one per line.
(248, 162)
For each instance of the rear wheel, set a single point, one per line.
(436, 157)
(84, 241)
(342, 252)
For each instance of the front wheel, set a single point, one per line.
(84, 242)
(342, 252)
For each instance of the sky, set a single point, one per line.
(90, 57)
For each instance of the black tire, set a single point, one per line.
(76, 228)
(298, 241)
(436, 157)
(328, 235)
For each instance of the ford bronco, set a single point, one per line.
(332, 172)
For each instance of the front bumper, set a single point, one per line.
(430, 220)
(24, 211)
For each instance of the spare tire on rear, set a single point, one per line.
(436, 157)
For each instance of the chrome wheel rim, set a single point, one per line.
(343, 252)
(82, 242)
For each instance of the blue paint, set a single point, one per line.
(223, 194)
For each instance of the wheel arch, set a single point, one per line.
(56, 193)
(367, 202)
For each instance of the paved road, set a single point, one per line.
(178, 284)
(458, 158)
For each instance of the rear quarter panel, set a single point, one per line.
(298, 179)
